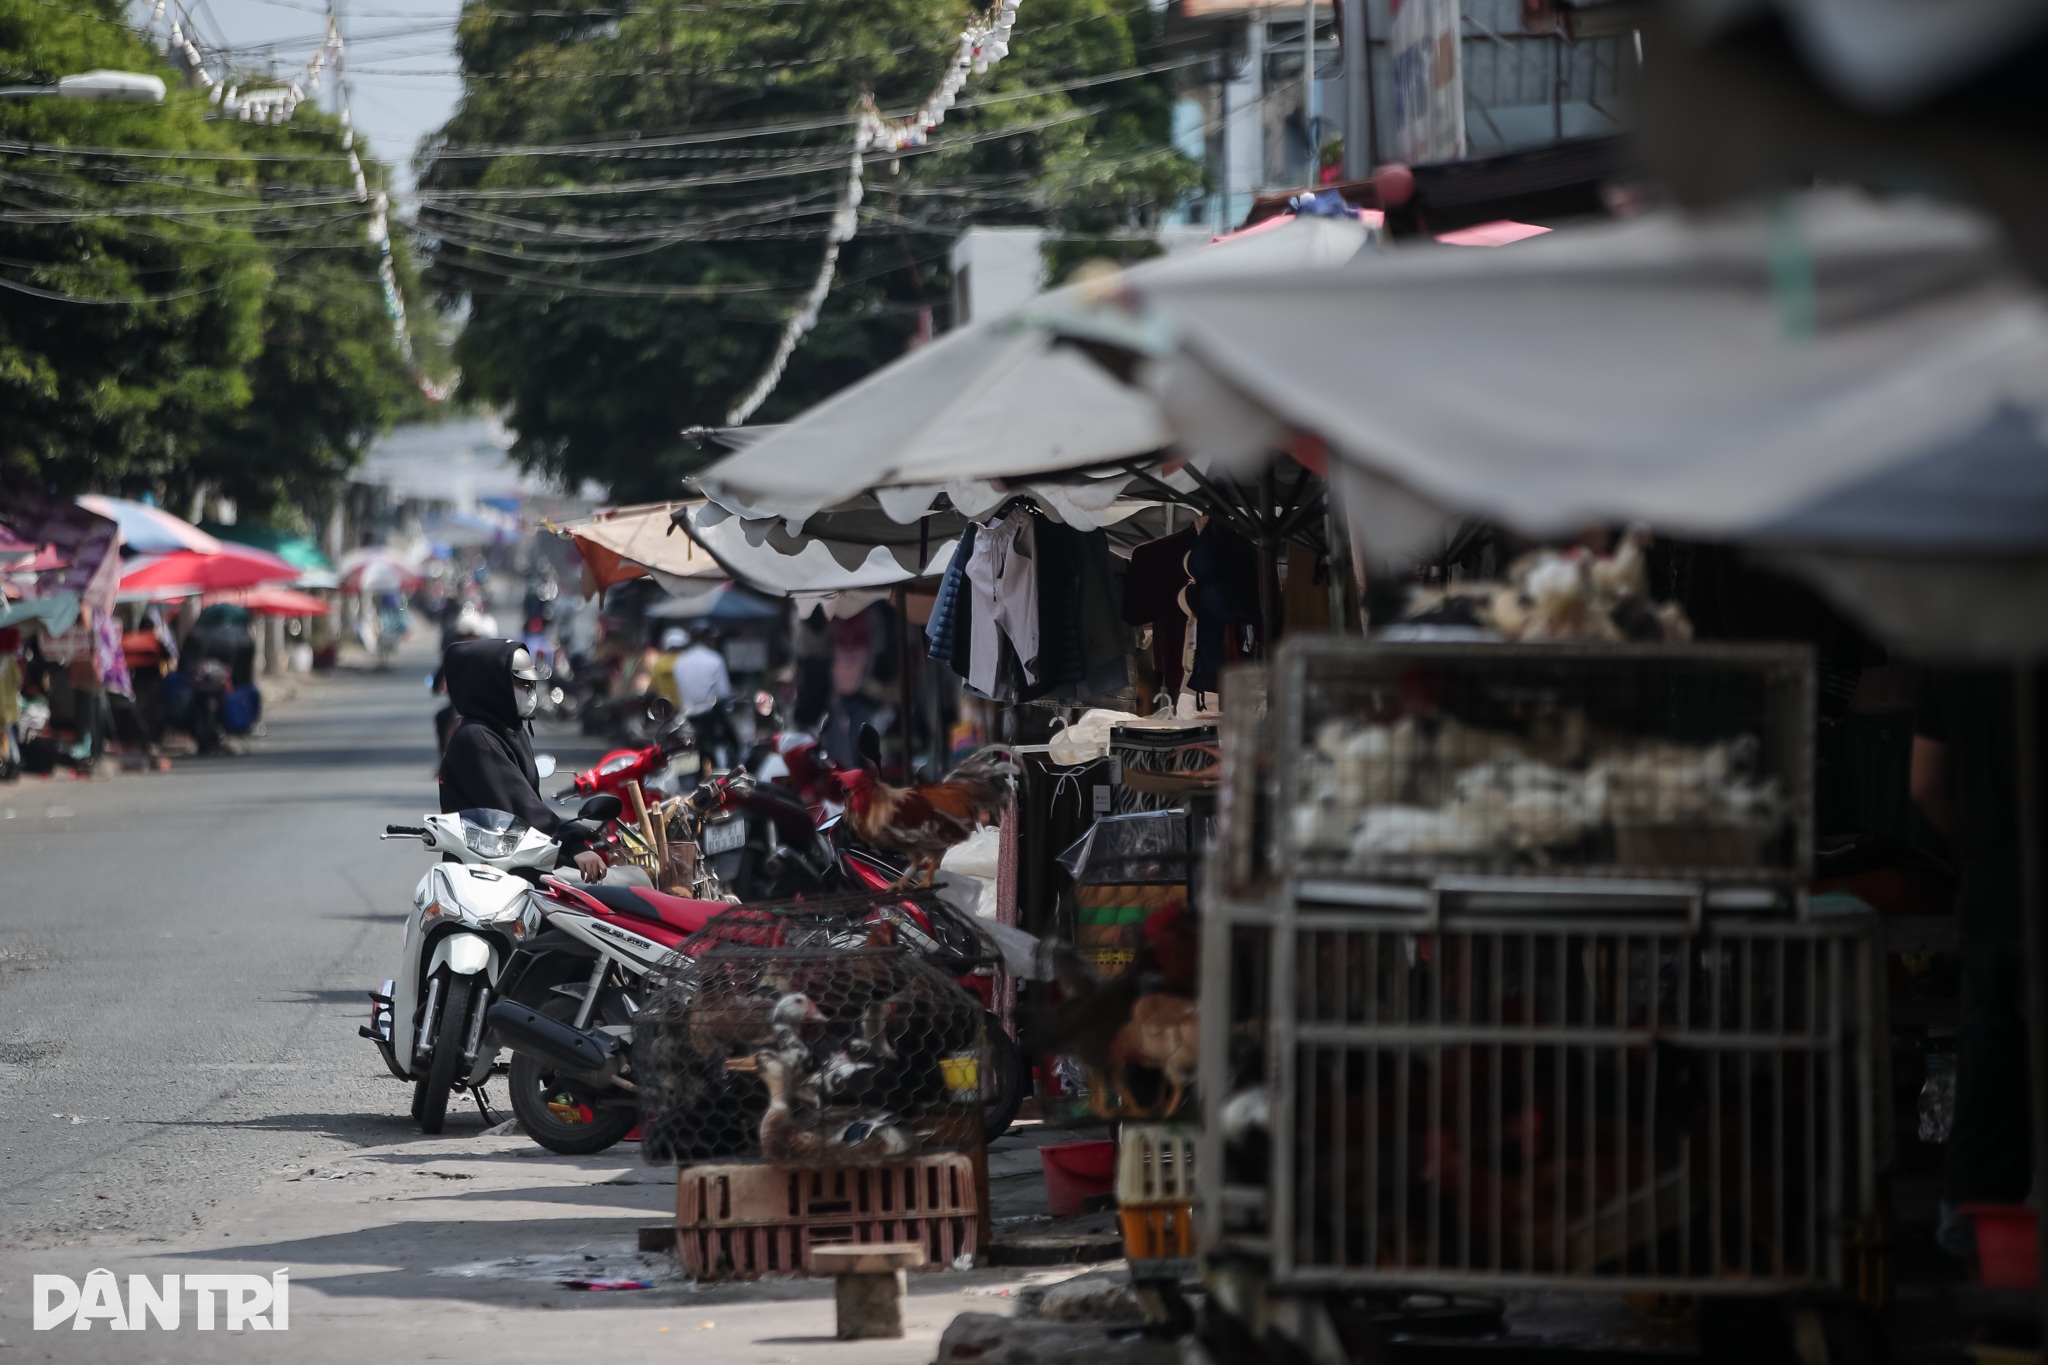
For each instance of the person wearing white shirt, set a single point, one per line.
(701, 677)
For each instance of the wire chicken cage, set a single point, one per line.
(1508, 980)
(1411, 763)
(823, 1054)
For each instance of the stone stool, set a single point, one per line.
(868, 1284)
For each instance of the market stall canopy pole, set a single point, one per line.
(1858, 390)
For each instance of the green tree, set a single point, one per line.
(132, 292)
(330, 376)
(618, 296)
(190, 304)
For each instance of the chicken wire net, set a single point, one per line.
(824, 1054)
(1542, 1106)
(1411, 761)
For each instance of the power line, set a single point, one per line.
(56, 296)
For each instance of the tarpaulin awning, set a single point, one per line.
(762, 553)
(996, 400)
(55, 614)
(1838, 380)
(628, 541)
(81, 544)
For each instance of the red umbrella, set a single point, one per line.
(273, 601)
(183, 572)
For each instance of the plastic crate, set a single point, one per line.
(749, 1252)
(1159, 1232)
(1155, 1165)
(1155, 1191)
(740, 1222)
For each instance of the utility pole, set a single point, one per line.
(1361, 112)
(1309, 111)
(1224, 74)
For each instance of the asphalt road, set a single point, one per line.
(183, 961)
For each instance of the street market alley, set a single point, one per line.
(183, 961)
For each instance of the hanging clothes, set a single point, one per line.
(1199, 591)
(951, 627)
(1152, 597)
(1223, 597)
(1003, 577)
(1081, 645)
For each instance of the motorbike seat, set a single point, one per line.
(677, 912)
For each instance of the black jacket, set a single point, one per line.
(489, 759)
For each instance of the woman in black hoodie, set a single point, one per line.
(494, 687)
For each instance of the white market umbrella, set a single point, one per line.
(147, 529)
(998, 399)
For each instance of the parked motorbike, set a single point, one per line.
(652, 765)
(468, 917)
(567, 1004)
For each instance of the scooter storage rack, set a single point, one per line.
(1572, 1065)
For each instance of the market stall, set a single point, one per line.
(1858, 405)
(68, 672)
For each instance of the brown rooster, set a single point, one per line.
(922, 822)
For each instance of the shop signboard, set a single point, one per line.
(1429, 86)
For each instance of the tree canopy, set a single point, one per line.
(629, 203)
(185, 302)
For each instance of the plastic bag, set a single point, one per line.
(1143, 846)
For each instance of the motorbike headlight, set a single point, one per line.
(492, 840)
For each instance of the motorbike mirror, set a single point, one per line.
(764, 703)
(601, 807)
(544, 764)
(660, 710)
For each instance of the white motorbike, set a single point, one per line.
(468, 916)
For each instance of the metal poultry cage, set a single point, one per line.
(1412, 763)
(1632, 1058)
(1505, 1100)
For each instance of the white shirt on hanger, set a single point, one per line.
(1002, 579)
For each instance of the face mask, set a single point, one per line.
(526, 697)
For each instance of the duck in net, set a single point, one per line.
(817, 1052)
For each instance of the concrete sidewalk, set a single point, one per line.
(463, 1245)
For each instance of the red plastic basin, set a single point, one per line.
(1075, 1170)
(2008, 1245)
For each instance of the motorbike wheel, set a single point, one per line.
(561, 1113)
(1005, 1080)
(448, 1040)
